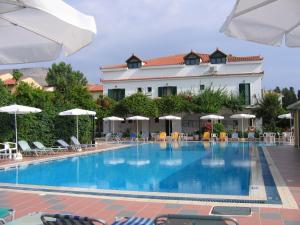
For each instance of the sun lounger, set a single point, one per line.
(133, 137)
(77, 144)
(26, 149)
(108, 137)
(251, 136)
(194, 219)
(56, 219)
(6, 215)
(234, 137)
(133, 221)
(145, 136)
(118, 137)
(206, 136)
(223, 136)
(175, 136)
(162, 136)
(39, 145)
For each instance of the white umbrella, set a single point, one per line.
(242, 116)
(170, 118)
(18, 109)
(33, 31)
(287, 116)
(77, 112)
(137, 118)
(265, 21)
(113, 119)
(212, 117)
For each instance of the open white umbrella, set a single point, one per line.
(18, 109)
(170, 118)
(113, 119)
(242, 116)
(34, 31)
(212, 117)
(137, 119)
(265, 21)
(77, 112)
(287, 116)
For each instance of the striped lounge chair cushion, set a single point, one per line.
(134, 221)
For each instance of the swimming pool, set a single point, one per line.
(187, 167)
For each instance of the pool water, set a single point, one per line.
(196, 168)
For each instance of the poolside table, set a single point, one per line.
(31, 219)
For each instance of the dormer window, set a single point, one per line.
(192, 59)
(134, 62)
(218, 57)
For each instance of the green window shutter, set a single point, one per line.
(109, 93)
(174, 90)
(247, 94)
(242, 92)
(160, 91)
(122, 93)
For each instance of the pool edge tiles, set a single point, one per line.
(287, 199)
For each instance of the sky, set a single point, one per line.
(151, 28)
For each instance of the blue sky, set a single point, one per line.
(151, 28)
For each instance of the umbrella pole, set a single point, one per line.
(16, 130)
(77, 126)
(242, 128)
(137, 130)
(113, 131)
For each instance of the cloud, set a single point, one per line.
(152, 28)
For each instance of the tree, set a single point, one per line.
(17, 75)
(269, 107)
(172, 104)
(136, 104)
(209, 101)
(277, 90)
(289, 96)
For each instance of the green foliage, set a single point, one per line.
(218, 127)
(289, 96)
(233, 102)
(172, 104)
(136, 104)
(209, 101)
(17, 75)
(268, 109)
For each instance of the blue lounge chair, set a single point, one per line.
(193, 219)
(234, 136)
(145, 136)
(108, 137)
(77, 144)
(251, 136)
(41, 146)
(6, 215)
(133, 137)
(133, 221)
(26, 149)
(57, 219)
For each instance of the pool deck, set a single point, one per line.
(286, 159)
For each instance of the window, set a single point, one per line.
(139, 90)
(218, 57)
(133, 62)
(167, 91)
(116, 94)
(244, 92)
(191, 59)
(202, 87)
(149, 89)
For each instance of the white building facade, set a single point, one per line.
(191, 72)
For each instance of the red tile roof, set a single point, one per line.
(179, 59)
(10, 82)
(95, 87)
